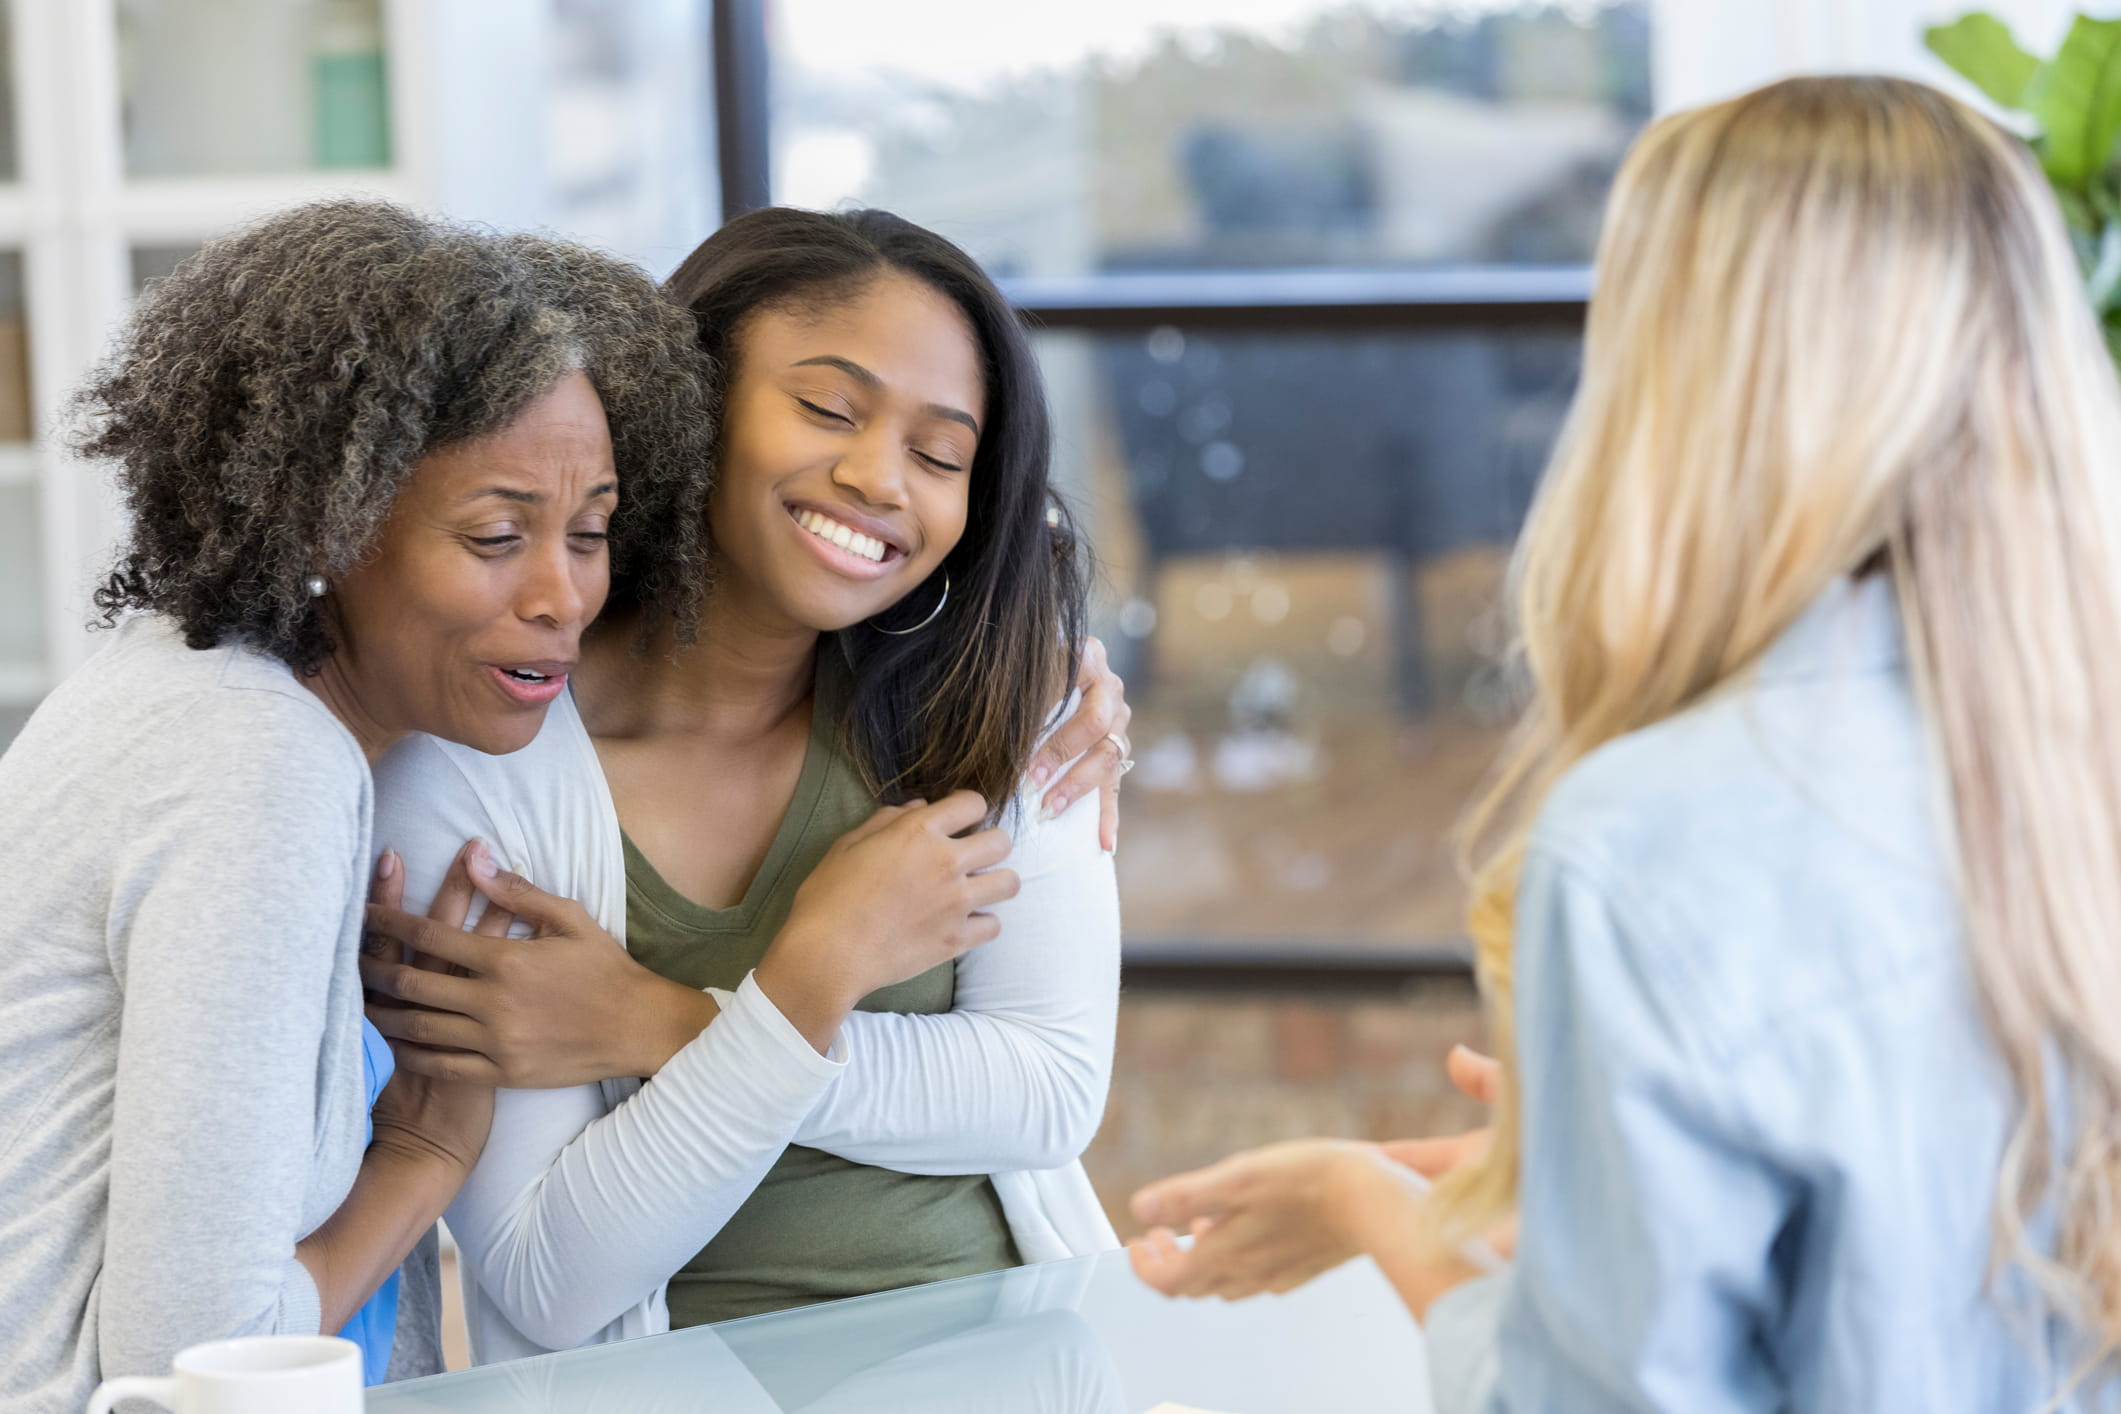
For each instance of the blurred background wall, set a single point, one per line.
(1309, 277)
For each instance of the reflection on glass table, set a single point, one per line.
(1075, 1337)
(1158, 134)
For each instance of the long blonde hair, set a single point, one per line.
(1838, 324)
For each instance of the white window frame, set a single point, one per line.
(1704, 50)
(466, 82)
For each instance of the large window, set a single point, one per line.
(1158, 134)
(1309, 276)
(1302, 536)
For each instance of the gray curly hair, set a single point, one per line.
(267, 401)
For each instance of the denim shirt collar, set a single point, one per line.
(1854, 627)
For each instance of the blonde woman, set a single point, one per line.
(1799, 902)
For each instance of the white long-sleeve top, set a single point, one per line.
(587, 1199)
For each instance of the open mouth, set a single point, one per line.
(846, 537)
(530, 684)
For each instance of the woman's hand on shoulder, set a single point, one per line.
(904, 891)
(1095, 738)
(565, 1006)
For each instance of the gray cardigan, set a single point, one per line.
(186, 838)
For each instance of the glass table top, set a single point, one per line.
(1074, 1337)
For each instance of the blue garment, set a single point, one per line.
(375, 1325)
(1762, 1113)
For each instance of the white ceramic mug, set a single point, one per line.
(259, 1374)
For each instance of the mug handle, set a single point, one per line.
(162, 1391)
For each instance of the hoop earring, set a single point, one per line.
(902, 632)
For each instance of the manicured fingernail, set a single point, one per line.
(1041, 773)
(1051, 810)
(387, 865)
(479, 861)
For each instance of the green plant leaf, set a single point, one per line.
(1980, 48)
(2078, 213)
(2077, 98)
(2105, 200)
(2103, 282)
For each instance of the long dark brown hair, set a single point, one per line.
(959, 704)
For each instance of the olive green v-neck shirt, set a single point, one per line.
(818, 1227)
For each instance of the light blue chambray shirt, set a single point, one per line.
(1762, 1114)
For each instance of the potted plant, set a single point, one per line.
(2070, 106)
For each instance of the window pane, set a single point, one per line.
(238, 87)
(628, 139)
(15, 421)
(21, 553)
(8, 162)
(21, 590)
(1150, 134)
(21, 557)
(153, 262)
(1303, 539)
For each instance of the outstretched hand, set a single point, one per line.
(1273, 1218)
(1269, 1219)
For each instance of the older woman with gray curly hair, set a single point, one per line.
(371, 462)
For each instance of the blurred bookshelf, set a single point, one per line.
(132, 131)
(137, 126)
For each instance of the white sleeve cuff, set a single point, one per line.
(301, 1308)
(1462, 1335)
(751, 1008)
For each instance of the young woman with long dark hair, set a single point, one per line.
(882, 598)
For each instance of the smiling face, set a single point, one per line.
(467, 617)
(849, 437)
